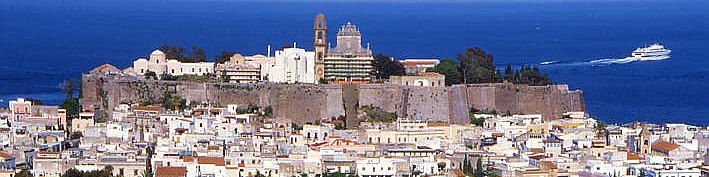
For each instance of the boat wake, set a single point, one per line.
(604, 62)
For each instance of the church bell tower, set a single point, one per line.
(320, 45)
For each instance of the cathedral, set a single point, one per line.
(348, 62)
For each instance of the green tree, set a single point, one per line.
(151, 75)
(34, 101)
(173, 102)
(23, 173)
(178, 53)
(476, 121)
(168, 77)
(105, 172)
(466, 166)
(258, 174)
(147, 173)
(387, 66)
(451, 70)
(268, 111)
(70, 104)
(479, 171)
(600, 129)
(509, 73)
(530, 75)
(197, 55)
(223, 57)
(379, 115)
(69, 87)
(171, 52)
(476, 66)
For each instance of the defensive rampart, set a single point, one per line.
(307, 102)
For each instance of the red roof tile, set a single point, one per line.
(170, 172)
(664, 146)
(218, 161)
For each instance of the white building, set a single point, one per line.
(245, 69)
(293, 65)
(415, 66)
(670, 170)
(373, 167)
(160, 64)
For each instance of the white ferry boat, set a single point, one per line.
(652, 52)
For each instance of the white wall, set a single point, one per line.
(293, 65)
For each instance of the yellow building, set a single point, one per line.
(349, 62)
(411, 132)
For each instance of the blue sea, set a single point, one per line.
(43, 43)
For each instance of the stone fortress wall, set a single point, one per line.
(307, 102)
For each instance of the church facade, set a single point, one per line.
(160, 64)
(348, 62)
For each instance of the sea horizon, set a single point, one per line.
(45, 42)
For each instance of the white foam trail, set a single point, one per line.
(548, 62)
(605, 61)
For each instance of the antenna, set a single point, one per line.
(268, 51)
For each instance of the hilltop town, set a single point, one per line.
(331, 112)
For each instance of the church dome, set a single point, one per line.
(157, 52)
(348, 30)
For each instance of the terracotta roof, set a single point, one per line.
(415, 63)
(430, 74)
(170, 172)
(187, 159)
(431, 124)
(104, 66)
(633, 156)
(548, 165)
(213, 148)
(537, 150)
(337, 122)
(146, 108)
(5, 155)
(664, 146)
(45, 152)
(458, 173)
(218, 161)
(539, 157)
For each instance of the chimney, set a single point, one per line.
(268, 51)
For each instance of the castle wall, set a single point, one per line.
(307, 102)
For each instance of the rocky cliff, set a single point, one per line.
(307, 102)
